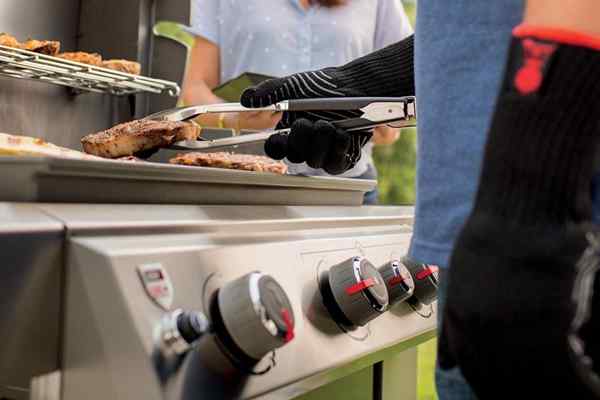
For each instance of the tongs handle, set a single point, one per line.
(398, 112)
(337, 104)
(352, 124)
(323, 104)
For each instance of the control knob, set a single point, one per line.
(426, 282)
(252, 317)
(398, 280)
(354, 292)
(180, 330)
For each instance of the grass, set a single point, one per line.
(425, 378)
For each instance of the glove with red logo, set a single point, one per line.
(509, 306)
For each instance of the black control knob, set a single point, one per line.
(398, 280)
(354, 292)
(254, 316)
(180, 330)
(426, 280)
(192, 325)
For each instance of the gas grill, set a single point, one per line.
(154, 281)
(158, 301)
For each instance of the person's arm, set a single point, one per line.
(202, 76)
(204, 71)
(510, 305)
(577, 15)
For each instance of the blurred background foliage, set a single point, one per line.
(396, 164)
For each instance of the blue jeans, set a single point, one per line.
(371, 198)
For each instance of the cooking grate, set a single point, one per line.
(24, 64)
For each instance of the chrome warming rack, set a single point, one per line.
(22, 64)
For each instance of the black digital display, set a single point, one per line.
(153, 275)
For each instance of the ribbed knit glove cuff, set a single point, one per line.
(388, 72)
(539, 160)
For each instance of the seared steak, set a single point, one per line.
(138, 136)
(244, 162)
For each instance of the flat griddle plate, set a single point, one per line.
(45, 179)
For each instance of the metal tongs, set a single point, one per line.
(399, 112)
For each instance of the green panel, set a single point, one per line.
(400, 372)
(357, 386)
(426, 378)
(345, 374)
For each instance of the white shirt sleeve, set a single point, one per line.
(205, 19)
(393, 24)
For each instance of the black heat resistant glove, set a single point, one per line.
(583, 335)
(387, 72)
(509, 304)
(320, 144)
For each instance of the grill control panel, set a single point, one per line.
(237, 315)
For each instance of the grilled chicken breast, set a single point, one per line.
(47, 47)
(129, 67)
(138, 136)
(25, 146)
(9, 41)
(246, 162)
(94, 59)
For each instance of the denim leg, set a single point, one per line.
(450, 383)
(371, 198)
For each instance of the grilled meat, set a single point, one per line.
(129, 67)
(9, 41)
(47, 47)
(25, 146)
(244, 162)
(138, 136)
(94, 59)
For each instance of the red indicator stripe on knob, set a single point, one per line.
(289, 325)
(396, 280)
(360, 286)
(428, 271)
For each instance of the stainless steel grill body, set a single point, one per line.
(109, 322)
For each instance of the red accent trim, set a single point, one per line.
(536, 54)
(289, 325)
(559, 35)
(360, 286)
(434, 268)
(425, 273)
(395, 281)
